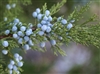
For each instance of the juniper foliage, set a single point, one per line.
(60, 34)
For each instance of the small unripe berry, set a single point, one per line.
(20, 33)
(14, 68)
(15, 36)
(50, 18)
(47, 12)
(7, 32)
(28, 32)
(5, 43)
(59, 19)
(45, 18)
(60, 38)
(17, 59)
(4, 52)
(39, 16)
(14, 28)
(34, 14)
(63, 21)
(39, 25)
(53, 42)
(30, 25)
(10, 66)
(26, 47)
(16, 20)
(16, 55)
(38, 10)
(10, 71)
(69, 26)
(26, 38)
(44, 27)
(20, 64)
(13, 5)
(42, 44)
(41, 33)
(5, 18)
(20, 40)
(8, 6)
(49, 24)
(20, 23)
(30, 43)
(20, 57)
(43, 22)
(12, 62)
(48, 29)
(72, 21)
(23, 28)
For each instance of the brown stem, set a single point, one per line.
(10, 35)
(4, 36)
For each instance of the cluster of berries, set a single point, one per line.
(64, 22)
(44, 24)
(15, 64)
(23, 34)
(44, 21)
(8, 6)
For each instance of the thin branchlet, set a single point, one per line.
(62, 31)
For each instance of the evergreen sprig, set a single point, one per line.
(55, 8)
(56, 30)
